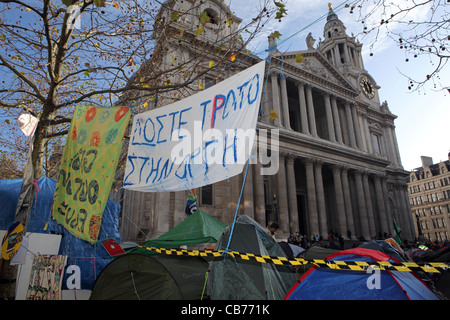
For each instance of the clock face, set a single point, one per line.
(367, 87)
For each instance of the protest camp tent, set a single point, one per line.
(386, 247)
(89, 258)
(238, 279)
(334, 284)
(147, 275)
(442, 280)
(198, 228)
(136, 276)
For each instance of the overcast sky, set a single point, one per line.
(423, 117)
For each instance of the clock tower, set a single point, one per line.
(344, 52)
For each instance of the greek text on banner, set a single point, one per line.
(197, 141)
(88, 167)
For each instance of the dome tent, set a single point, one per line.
(198, 228)
(231, 279)
(136, 276)
(335, 284)
(147, 275)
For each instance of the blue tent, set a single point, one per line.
(334, 284)
(90, 258)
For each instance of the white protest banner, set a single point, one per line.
(197, 141)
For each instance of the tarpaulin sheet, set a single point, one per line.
(90, 258)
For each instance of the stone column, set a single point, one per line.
(405, 212)
(357, 128)
(382, 214)
(236, 186)
(337, 121)
(311, 114)
(365, 127)
(313, 215)
(348, 203)
(275, 97)
(248, 193)
(350, 127)
(321, 199)
(340, 205)
(163, 213)
(284, 104)
(303, 112)
(369, 206)
(365, 231)
(328, 112)
(292, 195)
(258, 187)
(389, 214)
(282, 196)
(180, 207)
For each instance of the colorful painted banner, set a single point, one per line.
(46, 277)
(88, 167)
(200, 140)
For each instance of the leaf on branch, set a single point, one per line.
(68, 3)
(273, 115)
(204, 18)
(299, 58)
(181, 34)
(100, 3)
(281, 10)
(199, 31)
(174, 16)
(17, 57)
(211, 64)
(276, 34)
(115, 5)
(130, 62)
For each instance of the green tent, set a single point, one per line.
(238, 279)
(198, 228)
(147, 275)
(151, 277)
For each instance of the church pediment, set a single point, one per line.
(315, 68)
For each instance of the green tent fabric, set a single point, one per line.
(147, 275)
(151, 277)
(198, 228)
(231, 279)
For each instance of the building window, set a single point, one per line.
(211, 15)
(376, 143)
(207, 195)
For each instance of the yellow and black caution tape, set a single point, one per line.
(429, 267)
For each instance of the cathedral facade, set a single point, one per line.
(338, 163)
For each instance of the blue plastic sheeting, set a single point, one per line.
(91, 259)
